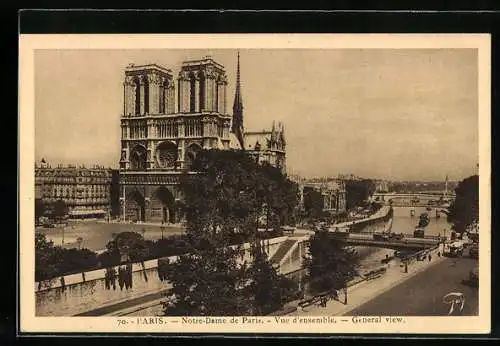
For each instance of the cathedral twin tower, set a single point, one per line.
(165, 122)
(160, 133)
(150, 89)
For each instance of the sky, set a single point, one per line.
(396, 114)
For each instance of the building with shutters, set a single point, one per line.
(85, 191)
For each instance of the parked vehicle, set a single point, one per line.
(473, 236)
(387, 236)
(474, 251)
(454, 249)
(419, 232)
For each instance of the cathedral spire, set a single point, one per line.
(282, 134)
(237, 126)
(238, 100)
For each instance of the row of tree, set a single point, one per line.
(357, 194)
(464, 210)
(53, 261)
(57, 210)
(126, 247)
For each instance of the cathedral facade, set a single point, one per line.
(166, 121)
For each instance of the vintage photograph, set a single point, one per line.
(320, 185)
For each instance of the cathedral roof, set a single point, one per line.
(234, 143)
(261, 137)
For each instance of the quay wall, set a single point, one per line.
(82, 292)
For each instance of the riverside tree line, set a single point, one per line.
(223, 206)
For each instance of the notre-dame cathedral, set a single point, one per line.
(165, 122)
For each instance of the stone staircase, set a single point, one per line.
(283, 250)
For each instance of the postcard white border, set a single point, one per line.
(29, 43)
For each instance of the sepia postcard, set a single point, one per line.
(230, 183)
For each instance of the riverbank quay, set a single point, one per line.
(96, 235)
(366, 290)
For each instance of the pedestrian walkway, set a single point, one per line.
(378, 214)
(157, 224)
(367, 290)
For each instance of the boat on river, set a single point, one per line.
(423, 220)
(422, 223)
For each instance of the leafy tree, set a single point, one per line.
(313, 202)
(278, 194)
(39, 208)
(44, 258)
(52, 261)
(60, 209)
(70, 261)
(358, 191)
(205, 282)
(269, 290)
(331, 265)
(126, 246)
(266, 286)
(219, 202)
(222, 204)
(464, 210)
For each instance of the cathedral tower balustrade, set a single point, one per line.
(203, 83)
(148, 89)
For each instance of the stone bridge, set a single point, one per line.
(409, 199)
(423, 195)
(404, 244)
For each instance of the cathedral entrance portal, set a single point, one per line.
(135, 206)
(163, 208)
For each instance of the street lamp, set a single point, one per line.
(79, 240)
(62, 241)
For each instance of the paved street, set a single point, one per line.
(422, 294)
(420, 291)
(97, 234)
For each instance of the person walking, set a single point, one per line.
(439, 254)
(430, 257)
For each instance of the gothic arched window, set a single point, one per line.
(166, 155)
(191, 153)
(161, 106)
(192, 93)
(146, 95)
(202, 91)
(217, 95)
(137, 96)
(138, 158)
